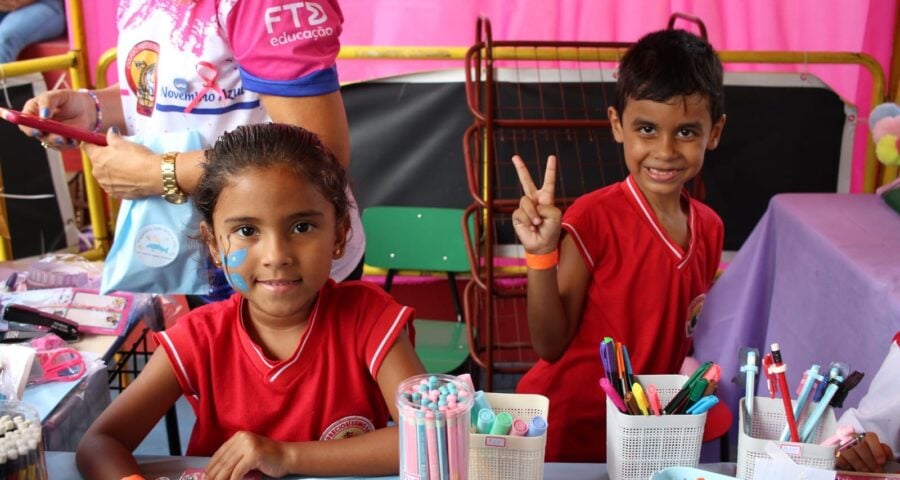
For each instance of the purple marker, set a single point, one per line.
(537, 427)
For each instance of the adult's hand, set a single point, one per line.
(869, 455)
(65, 106)
(125, 169)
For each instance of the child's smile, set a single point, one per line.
(276, 236)
(665, 143)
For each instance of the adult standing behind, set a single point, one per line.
(23, 22)
(209, 66)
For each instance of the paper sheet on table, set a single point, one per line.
(781, 467)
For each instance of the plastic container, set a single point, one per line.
(494, 457)
(434, 427)
(767, 425)
(21, 445)
(639, 445)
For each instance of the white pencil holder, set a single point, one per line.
(768, 422)
(638, 445)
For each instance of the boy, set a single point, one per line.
(636, 257)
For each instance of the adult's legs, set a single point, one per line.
(42, 20)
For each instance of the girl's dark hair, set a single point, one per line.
(671, 63)
(272, 145)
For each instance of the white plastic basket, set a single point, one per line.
(638, 445)
(768, 423)
(493, 457)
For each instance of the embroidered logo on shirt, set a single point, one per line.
(693, 311)
(140, 74)
(347, 427)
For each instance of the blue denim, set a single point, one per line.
(42, 20)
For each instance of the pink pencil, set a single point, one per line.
(450, 413)
(434, 469)
(410, 454)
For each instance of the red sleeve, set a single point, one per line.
(177, 343)
(381, 321)
(581, 222)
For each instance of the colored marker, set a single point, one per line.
(613, 395)
(537, 426)
(519, 428)
(502, 423)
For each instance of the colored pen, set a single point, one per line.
(816, 414)
(653, 399)
(750, 369)
(682, 394)
(613, 395)
(809, 380)
(640, 398)
(620, 362)
(434, 466)
(605, 359)
(443, 459)
(629, 374)
(631, 403)
(703, 405)
(779, 369)
(10, 282)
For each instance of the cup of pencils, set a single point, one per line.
(434, 426)
(21, 448)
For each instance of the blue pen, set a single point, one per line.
(812, 375)
(421, 444)
(443, 459)
(750, 369)
(816, 415)
(629, 374)
(833, 372)
(702, 405)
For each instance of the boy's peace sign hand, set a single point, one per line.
(537, 220)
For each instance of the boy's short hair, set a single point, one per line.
(671, 63)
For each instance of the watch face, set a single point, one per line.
(176, 198)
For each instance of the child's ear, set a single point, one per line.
(716, 133)
(616, 123)
(209, 238)
(342, 234)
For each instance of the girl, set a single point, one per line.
(292, 357)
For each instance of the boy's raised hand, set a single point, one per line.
(537, 220)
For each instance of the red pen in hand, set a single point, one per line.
(778, 368)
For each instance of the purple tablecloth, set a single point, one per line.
(820, 274)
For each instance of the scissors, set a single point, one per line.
(61, 364)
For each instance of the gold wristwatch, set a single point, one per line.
(171, 192)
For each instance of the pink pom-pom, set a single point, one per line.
(887, 125)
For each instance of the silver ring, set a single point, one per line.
(46, 145)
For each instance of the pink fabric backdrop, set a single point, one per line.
(797, 25)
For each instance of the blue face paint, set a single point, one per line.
(237, 281)
(235, 258)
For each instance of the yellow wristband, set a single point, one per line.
(542, 261)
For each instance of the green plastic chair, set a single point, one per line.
(429, 240)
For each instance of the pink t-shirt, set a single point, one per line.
(326, 390)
